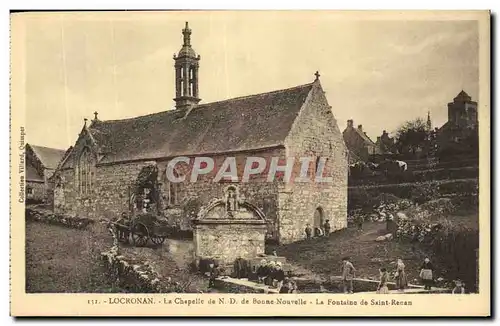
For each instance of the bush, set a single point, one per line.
(45, 216)
(424, 192)
(455, 243)
(441, 206)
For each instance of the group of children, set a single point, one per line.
(324, 230)
(271, 273)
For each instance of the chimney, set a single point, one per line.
(360, 127)
(378, 139)
(350, 123)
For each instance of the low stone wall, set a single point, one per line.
(134, 275)
(45, 216)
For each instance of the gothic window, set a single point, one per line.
(84, 171)
(317, 169)
(172, 190)
(29, 191)
(317, 166)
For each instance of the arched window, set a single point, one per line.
(84, 171)
(320, 168)
(172, 190)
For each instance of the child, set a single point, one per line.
(279, 276)
(327, 227)
(308, 231)
(459, 287)
(214, 273)
(348, 274)
(384, 277)
(287, 286)
(262, 271)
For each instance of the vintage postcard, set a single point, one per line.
(250, 163)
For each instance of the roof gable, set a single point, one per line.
(350, 131)
(365, 137)
(239, 124)
(32, 174)
(49, 157)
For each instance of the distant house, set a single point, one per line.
(460, 131)
(41, 162)
(386, 144)
(358, 143)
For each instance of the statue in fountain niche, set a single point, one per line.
(231, 201)
(235, 202)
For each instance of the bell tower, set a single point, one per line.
(186, 73)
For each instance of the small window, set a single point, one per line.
(29, 191)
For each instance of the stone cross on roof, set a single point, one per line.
(317, 75)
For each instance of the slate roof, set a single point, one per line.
(238, 124)
(462, 96)
(32, 174)
(49, 157)
(365, 137)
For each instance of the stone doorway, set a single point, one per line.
(319, 218)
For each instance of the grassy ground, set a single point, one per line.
(60, 259)
(322, 256)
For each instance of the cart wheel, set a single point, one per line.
(158, 240)
(140, 235)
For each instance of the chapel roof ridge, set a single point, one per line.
(258, 94)
(178, 111)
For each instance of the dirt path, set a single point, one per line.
(321, 257)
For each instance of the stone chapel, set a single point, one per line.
(118, 166)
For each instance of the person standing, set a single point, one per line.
(308, 231)
(426, 273)
(401, 279)
(327, 227)
(348, 272)
(359, 222)
(382, 285)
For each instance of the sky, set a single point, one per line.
(378, 72)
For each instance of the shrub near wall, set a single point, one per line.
(57, 219)
(455, 244)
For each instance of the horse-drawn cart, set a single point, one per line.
(141, 228)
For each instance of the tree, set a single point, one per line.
(411, 136)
